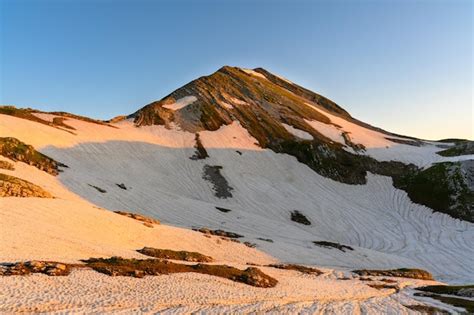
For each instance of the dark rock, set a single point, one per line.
(333, 245)
(298, 217)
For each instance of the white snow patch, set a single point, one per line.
(284, 79)
(298, 132)
(379, 147)
(254, 73)
(328, 130)
(44, 116)
(181, 103)
(233, 100)
(226, 105)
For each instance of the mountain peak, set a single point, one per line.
(249, 96)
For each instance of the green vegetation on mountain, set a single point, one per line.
(460, 148)
(443, 187)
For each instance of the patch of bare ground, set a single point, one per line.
(302, 269)
(355, 146)
(59, 121)
(78, 117)
(117, 266)
(11, 186)
(425, 309)
(218, 233)
(212, 173)
(401, 273)
(200, 153)
(333, 245)
(5, 165)
(224, 210)
(380, 286)
(50, 268)
(27, 113)
(298, 217)
(175, 255)
(101, 190)
(148, 222)
(415, 143)
(122, 186)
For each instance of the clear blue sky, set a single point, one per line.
(405, 65)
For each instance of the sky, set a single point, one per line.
(405, 66)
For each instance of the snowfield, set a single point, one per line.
(181, 103)
(377, 144)
(380, 222)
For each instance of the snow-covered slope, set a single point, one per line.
(257, 146)
(384, 226)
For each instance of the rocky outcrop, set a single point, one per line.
(338, 246)
(297, 216)
(16, 150)
(218, 233)
(34, 266)
(11, 186)
(147, 221)
(5, 165)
